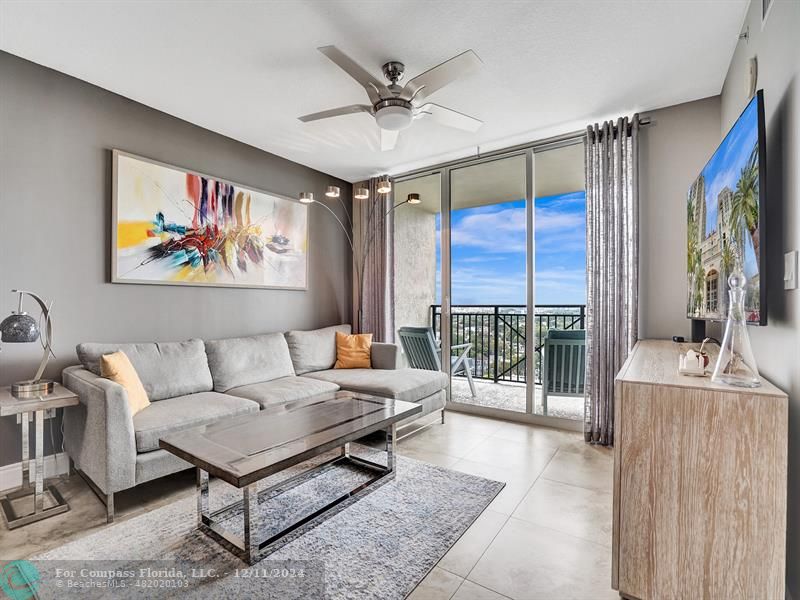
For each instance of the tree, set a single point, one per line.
(744, 205)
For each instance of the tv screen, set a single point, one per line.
(725, 214)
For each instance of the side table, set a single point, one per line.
(61, 397)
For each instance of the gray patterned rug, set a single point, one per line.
(377, 547)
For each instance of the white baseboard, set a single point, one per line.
(54, 465)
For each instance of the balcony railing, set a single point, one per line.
(497, 334)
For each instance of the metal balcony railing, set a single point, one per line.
(497, 334)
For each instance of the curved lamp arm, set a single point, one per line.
(338, 220)
(47, 343)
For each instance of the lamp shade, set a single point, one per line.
(332, 191)
(306, 197)
(384, 185)
(361, 193)
(19, 328)
(413, 199)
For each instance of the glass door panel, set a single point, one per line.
(488, 291)
(560, 282)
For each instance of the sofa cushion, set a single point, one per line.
(314, 350)
(283, 390)
(411, 385)
(167, 369)
(235, 362)
(182, 412)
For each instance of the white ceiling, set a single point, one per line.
(249, 69)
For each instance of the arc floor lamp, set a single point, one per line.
(360, 193)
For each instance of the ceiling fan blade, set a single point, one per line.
(436, 78)
(375, 88)
(449, 117)
(336, 112)
(388, 139)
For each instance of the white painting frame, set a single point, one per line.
(120, 256)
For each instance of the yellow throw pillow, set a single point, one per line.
(353, 351)
(118, 368)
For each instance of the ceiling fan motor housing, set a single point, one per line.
(394, 70)
(393, 114)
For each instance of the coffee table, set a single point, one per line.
(244, 450)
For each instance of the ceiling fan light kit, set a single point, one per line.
(394, 115)
(396, 107)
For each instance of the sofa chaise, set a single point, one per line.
(197, 382)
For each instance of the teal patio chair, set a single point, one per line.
(563, 364)
(423, 351)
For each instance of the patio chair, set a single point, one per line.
(424, 351)
(563, 364)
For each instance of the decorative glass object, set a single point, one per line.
(736, 364)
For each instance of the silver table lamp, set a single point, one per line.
(20, 327)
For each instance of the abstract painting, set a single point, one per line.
(177, 227)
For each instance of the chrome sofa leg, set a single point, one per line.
(107, 499)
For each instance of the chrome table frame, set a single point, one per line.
(250, 549)
(35, 489)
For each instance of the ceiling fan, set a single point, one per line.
(395, 107)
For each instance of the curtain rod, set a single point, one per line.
(551, 143)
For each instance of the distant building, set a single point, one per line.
(697, 196)
(714, 300)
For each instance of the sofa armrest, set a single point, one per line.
(385, 356)
(98, 433)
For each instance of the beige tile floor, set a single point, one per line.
(546, 535)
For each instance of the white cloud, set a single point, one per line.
(504, 230)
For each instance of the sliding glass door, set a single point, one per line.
(493, 260)
(559, 316)
(488, 284)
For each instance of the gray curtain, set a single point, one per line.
(612, 266)
(373, 265)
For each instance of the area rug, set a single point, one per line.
(379, 546)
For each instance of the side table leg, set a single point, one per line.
(26, 451)
(32, 490)
(38, 494)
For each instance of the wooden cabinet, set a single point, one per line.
(699, 483)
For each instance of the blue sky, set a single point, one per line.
(488, 251)
(724, 168)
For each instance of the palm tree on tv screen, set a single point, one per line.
(744, 206)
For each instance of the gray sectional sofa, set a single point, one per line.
(197, 382)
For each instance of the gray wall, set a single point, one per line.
(56, 133)
(777, 346)
(673, 150)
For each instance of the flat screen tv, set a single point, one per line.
(725, 218)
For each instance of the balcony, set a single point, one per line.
(497, 334)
